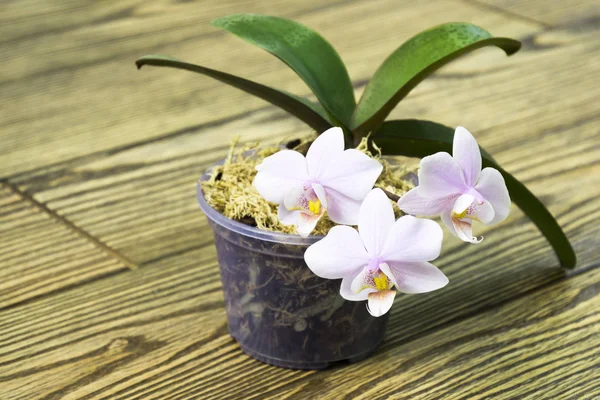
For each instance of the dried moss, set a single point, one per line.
(230, 191)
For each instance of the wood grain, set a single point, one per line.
(40, 254)
(541, 346)
(551, 13)
(86, 96)
(159, 333)
(77, 339)
(100, 164)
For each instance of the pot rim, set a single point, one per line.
(247, 230)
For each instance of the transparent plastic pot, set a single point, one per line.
(277, 309)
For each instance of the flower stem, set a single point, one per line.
(389, 194)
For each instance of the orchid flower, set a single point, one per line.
(328, 179)
(382, 255)
(455, 188)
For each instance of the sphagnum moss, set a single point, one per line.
(229, 189)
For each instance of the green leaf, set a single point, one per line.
(311, 114)
(415, 138)
(412, 62)
(303, 50)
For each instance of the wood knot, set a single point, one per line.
(133, 344)
(118, 344)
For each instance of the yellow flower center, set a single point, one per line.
(381, 282)
(314, 206)
(460, 215)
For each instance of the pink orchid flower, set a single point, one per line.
(455, 188)
(328, 179)
(381, 255)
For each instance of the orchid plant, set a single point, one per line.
(454, 187)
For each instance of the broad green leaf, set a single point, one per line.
(415, 138)
(303, 50)
(311, 114)
(412, 62)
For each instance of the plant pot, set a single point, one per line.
(277, 309)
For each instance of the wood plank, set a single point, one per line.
(159, 333)
(145, 319)
(40, 255)
(85, 96)
(555, 12)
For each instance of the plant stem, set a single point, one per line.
(389, 194)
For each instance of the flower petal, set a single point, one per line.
(464, 230)
(342, 209)
(305, 222)
(440, 175)
(287, 217)
(280, 173)
(338, 255)
(302, 208)
(460, 227)
(467, 206)
(308, 198)
(415, 277)
(466, 151)
(492, 187)
(323, 149)
(412, 203)
(380, 302)
(296, 198)
(375, 221)
(346, 290)
(413, 239)
(446, 217)
(462, 203)
(362, 281)
(482, 212)
(320, 192)
(351, 173)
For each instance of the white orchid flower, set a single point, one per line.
(456, 188)
(383, 254)
(329, 179)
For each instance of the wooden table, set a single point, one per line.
(109, 284)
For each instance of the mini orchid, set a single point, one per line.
(381, 255)
(456, 188)
(328, 179)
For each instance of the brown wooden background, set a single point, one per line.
(109, 286)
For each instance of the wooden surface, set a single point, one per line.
(109, 284)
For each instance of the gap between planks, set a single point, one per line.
(70, 225)
(507, 13)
